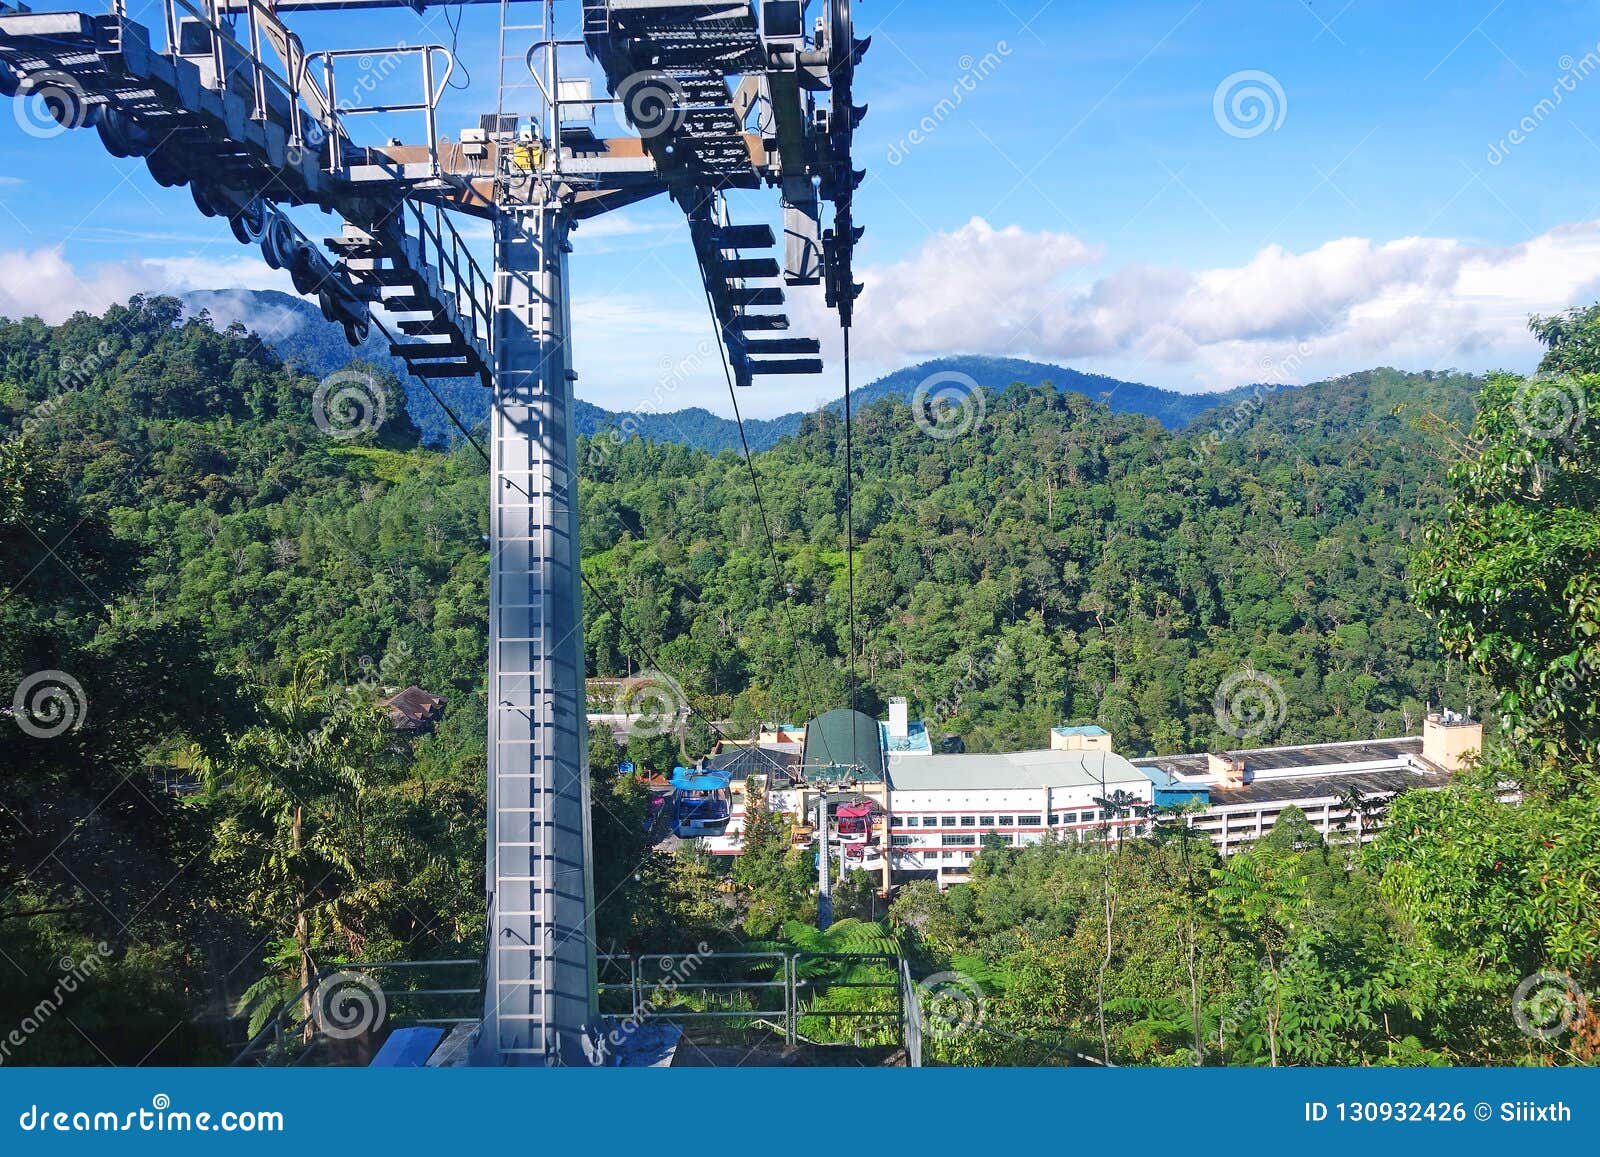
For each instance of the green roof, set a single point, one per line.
(844, 739)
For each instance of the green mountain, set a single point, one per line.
(222, 589)
(1172, 409)
(294, 328)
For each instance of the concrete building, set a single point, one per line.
(1449, 739)
(933, 810)
(1089, 738)
(942, 806)
(1238, 795)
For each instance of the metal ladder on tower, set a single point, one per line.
(519, 94)
(541, 952)
(541, 982)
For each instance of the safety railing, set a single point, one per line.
(911, 1014)
(808, 996)
(291, 84)
(346, 1011)
(432, 90)
(313, 112)
(446, 250)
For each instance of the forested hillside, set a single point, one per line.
(230, 588)
(1054, 562)
(294, 329)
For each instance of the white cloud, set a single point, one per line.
(43, 283)
(1352, 303)
(270, 320)
(1349, 304)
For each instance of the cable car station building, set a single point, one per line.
(934, 811)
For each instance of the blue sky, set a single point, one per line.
(1085, 194)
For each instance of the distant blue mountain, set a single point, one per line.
(294, 328)
(1170, 408)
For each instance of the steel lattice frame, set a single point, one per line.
(247, 138)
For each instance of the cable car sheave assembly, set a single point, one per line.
(224, 98)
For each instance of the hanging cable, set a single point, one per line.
(427, 385)
(744, 441)
(849, 514)
(455, 37)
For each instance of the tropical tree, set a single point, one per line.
(294, 794)
(1262, 894)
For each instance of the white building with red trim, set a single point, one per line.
(942, 806)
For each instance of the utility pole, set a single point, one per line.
(824, 865)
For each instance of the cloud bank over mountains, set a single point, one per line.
(1351, 303)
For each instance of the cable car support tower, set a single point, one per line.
(718, 96)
